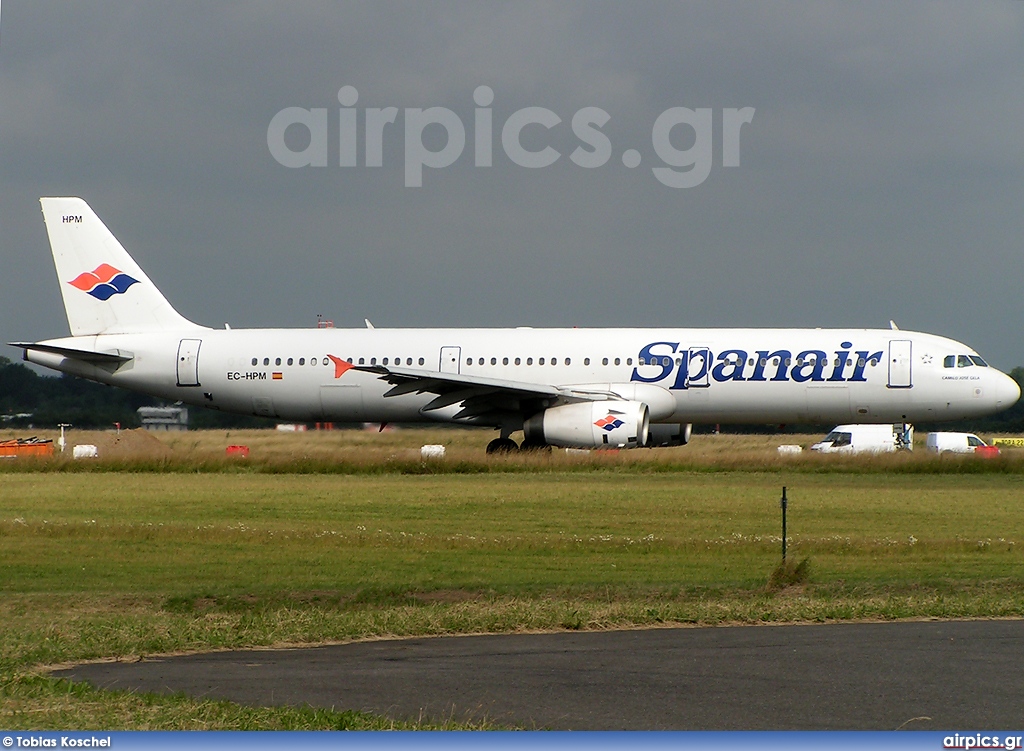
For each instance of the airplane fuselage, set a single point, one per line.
(587, 388)
(711, 375)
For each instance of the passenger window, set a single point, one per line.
(641, 361)
(266, 361)
(302, 361)
(586, 361)
(568, 361)
(517, 361)
(540, 361)
(469, 361)
(373, 361)
(384, 361)
(629, 361)
(494, 361)
(362, 361)
(481, 361)
(290, 361)
(254, 361)
(843, 439)
(349, 360)
(963, 361)
(327, 361)
(504, 361)
(529, 361)
(277, 361)
(604, 361)
(617, 361)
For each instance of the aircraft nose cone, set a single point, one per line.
(1007, 392)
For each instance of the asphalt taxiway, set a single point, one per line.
(858, 676)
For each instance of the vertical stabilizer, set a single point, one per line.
(104, 290)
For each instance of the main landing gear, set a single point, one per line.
(508, 446)
(502, 446)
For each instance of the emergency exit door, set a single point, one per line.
(188, 362)
(900, 376)
(450, 360)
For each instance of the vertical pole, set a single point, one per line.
(783, 503)
(61, 442)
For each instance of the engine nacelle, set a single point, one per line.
(675, 434)
(589, 425)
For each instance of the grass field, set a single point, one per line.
(165, 546)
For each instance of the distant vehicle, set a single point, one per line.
(959, 443)
(867, 438)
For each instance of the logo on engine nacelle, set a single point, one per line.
(609, 423)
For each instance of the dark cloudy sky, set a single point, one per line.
(881, 176)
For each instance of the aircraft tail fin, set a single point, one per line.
(104, 290)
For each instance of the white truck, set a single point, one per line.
(958, 443)
(867, 438)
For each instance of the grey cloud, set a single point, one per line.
(880, 177)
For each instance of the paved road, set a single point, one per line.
(871, 676)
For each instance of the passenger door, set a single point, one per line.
(900, 376)
(188, 362)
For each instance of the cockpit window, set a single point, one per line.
(978, 361)
(963, 361)
(949, 361)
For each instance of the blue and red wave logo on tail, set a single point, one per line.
(104, 282)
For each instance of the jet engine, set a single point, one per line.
(588, 425)
(673, 434)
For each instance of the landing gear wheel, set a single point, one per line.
(537, 446)
(502, 446)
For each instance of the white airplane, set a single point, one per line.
(585, 388)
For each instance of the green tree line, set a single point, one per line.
(28, 400)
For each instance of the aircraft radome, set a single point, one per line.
(578, 387)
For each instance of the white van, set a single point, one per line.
(958, 443)
(869, 438)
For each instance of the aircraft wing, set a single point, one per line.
(483, 400)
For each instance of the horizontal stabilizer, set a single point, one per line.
(85, 355)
